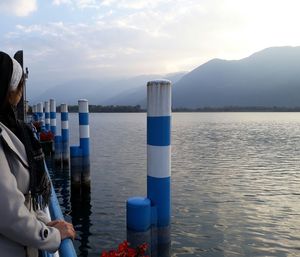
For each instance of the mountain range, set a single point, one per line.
(270, 77)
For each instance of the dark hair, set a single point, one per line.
(6, 69)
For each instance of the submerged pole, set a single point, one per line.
(84, 134)
(65, 134)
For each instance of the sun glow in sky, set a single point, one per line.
(69, 39)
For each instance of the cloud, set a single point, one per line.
(18, 7)
(60, 2)
(81, 4)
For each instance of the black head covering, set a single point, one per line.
(6, 69)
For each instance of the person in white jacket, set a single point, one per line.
(23, 226)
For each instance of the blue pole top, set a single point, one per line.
(138, 214)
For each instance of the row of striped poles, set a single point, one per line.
(61, 142)
(79, 155)
(148, 218)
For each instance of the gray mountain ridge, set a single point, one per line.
(267, 78)
(130, 91)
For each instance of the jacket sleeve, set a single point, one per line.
(42, 216)
(16, 222)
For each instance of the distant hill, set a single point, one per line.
(270, 77)
(130, 91)
(138, 95)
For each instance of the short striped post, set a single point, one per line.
(65, 134)
(84, 134)
(76, 165)
(47, 115)
(34, 113)
(58, 151)
(53, 116)
(159, 154)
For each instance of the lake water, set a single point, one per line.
(235, 183)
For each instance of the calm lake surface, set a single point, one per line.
(235, 183)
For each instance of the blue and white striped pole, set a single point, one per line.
(159, 154)
(159, 149)
(53, 116)
(65, 134)
(40, 115)
(47, 115)
(34, 113)
(84, 134)
(40, 111)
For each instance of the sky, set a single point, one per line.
(69, 39)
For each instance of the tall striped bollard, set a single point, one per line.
(84, 134)
(47, 115)
(155, 210)
(159, 158)
(53, 116)
(65, 134)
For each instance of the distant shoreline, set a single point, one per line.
(137, 109)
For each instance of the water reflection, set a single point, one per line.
(81, 211)
(75, 203)
(158, 240)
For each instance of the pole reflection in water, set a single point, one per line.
(158, 239)
(75, 204)
(81, 211)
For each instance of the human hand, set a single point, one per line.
(66, 229)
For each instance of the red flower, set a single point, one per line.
(123, 246)
(46, 136)
(125, 251)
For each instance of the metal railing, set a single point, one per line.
(66, 248)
